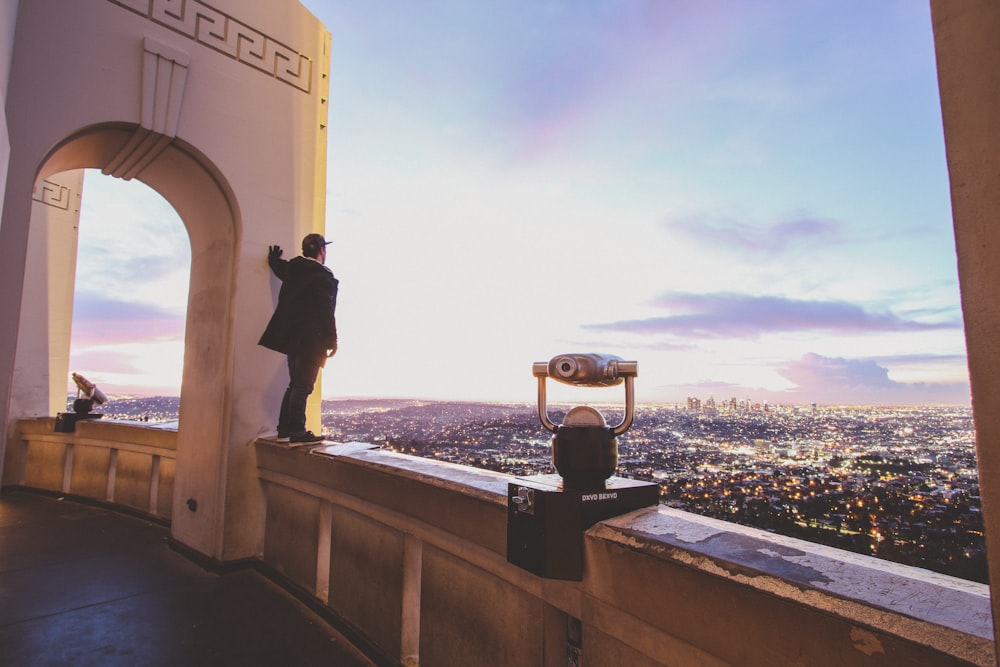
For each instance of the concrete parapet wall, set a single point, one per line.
(122, 464)
(708, 582)
(411, 555)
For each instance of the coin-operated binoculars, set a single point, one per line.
(547, 514)
(584, 447)
(87, 395)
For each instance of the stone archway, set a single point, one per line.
(220, 107)
(208, 209)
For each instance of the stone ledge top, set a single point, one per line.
(933, 609)
(484, 484)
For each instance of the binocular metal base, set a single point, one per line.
(545, 521)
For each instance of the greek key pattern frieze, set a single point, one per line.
(208, 26)
(52, 194)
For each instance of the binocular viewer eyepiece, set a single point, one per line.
(586, 370)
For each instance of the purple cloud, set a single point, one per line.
(771, 239)
(829, 380)
(105, 361)
(922, 359)
(730, 315)
(834, 381)
(814, 370)
(97, 319)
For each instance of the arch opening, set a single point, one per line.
(195, 190)
(130, 297)
(190, 191)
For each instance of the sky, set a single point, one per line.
(749, 199)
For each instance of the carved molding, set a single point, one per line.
(164, 73)
(52, 194)
(208, 26)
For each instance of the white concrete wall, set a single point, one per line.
(967, 45)
(129, 465)
(41, 370)
(234, 139)
(8, 21)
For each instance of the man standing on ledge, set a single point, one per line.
(303, 328)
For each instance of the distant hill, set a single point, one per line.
(136, 408)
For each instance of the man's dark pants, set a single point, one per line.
(302, 374)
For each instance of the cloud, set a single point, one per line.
(731, 315)
(832, 381)
(111, 266)
(773, 239)
(829, 380)
(814, 370)
(102, 320)
(612, 345)
(132, 244)
(922, 359)
(107, 361)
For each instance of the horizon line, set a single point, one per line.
(112, 397)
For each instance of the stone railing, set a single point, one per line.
(125, 464)
(408, 556)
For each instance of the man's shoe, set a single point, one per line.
(304, 438)
(282, 437)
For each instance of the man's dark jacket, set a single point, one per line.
(304, 321)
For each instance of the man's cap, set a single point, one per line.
(313, 242)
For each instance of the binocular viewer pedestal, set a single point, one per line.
(66, 421)
(547, 514)
(545, 520)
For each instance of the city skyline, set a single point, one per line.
(749, 201)
(897, 483)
